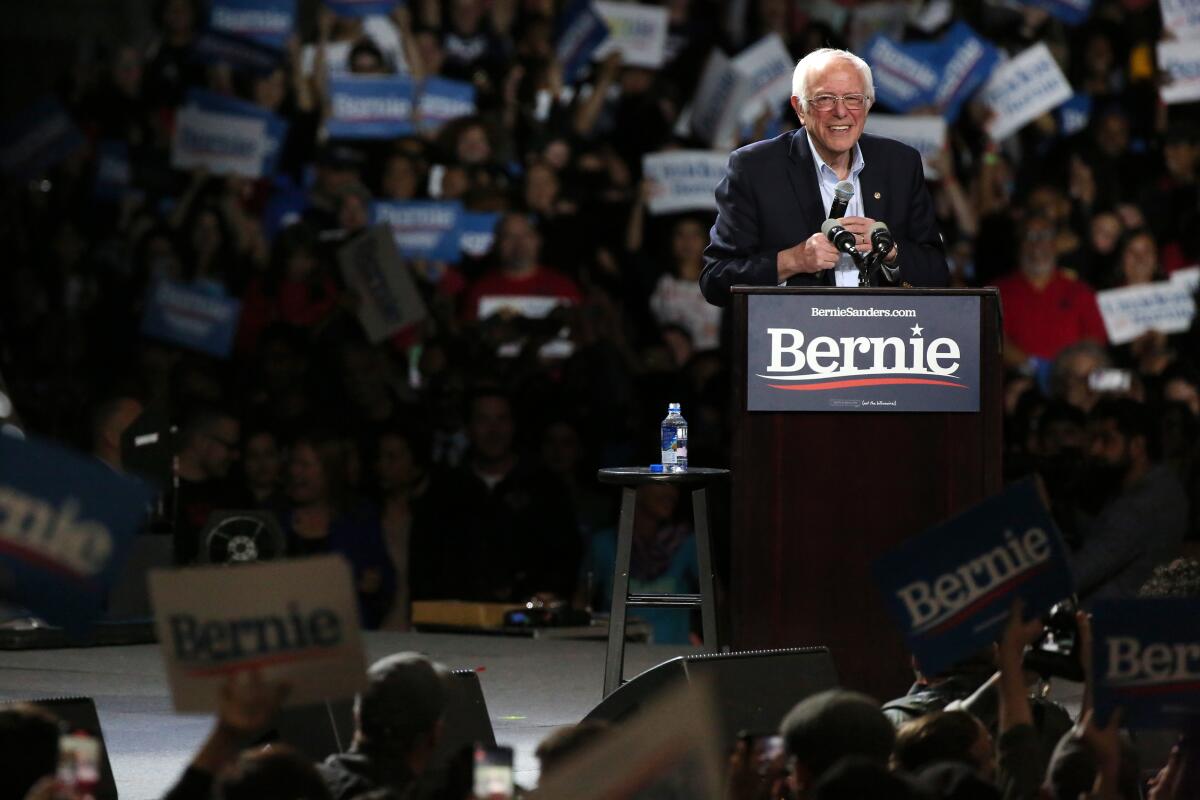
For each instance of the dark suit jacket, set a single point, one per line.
(769, 200)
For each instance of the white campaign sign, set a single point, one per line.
(388, 298)
(1188, 278)
(1180, 60)
(926, 134)
(766, 70)
(1129, 312)
(224, 144)
(684, 179)
(639, 32)
(1181, 18)
(294, 621)
(714, 110)
(1022, 89)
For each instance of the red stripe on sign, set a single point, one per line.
(1159, 688)
(866, 382)
(40, 559)
(265, 661)
(1003, 589)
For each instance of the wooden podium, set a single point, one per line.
(818, 495)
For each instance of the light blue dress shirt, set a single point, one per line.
(844, 272)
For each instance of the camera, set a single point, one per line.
(1056, 653)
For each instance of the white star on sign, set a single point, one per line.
(916, 329)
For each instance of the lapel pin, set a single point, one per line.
(878, 195)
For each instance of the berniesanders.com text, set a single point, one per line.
(864, 312)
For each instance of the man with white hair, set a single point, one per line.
(776, 193)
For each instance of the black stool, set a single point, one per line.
(629, 478)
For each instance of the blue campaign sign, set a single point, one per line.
(361, 8)
(1074, 115)
(37, 138)
(477, 229)
(443, 100)
(220, 47)
(905, 76)
(1146, 660)
(276, 126)
(371, 108)
(580, 31)
(864, 352)
(950, 589)
(268, 22)
(422, 229)
(66, 522)
(190, 317)
(1072, 12)
(965, 62)
(114, 175)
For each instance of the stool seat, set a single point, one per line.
(637, 476)
(629, 479)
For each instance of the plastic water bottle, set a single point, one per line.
(674, 440)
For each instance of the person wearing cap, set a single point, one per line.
(823, 729)
(397, 726)
(777, 193)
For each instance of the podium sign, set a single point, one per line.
(872, 352)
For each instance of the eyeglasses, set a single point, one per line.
(826, 102)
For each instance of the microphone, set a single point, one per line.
(842, 239)
(881, 238)
(881, 244)
(841, 198)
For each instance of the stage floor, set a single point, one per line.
(531, 687)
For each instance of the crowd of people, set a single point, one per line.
(457, 458)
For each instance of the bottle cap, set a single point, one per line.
(656, 467)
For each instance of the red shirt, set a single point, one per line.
(1042, 322)
(543, 282)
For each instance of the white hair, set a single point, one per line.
(818, 60)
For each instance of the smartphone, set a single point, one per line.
(1110, 380)
(493, 779)
(78, 763)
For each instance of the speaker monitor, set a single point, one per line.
(754, 689)
(79, 714)
(324, 728)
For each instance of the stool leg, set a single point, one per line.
(614, 664)
(708, 586)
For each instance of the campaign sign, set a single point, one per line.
(1072, 12)
(638, 32)
(1146, 660)
(1073, 115)
(268, 22)
(191, 318)
(766, 69)
(371, 108)
(294, 621)
(388, 297)
(114, 174)
(904, 80)
(66, 523)
(275, 126)
(422, 229)
(580, 31)
(1130, 311)
(1181, 63)
(868, 352)
(924, 133)
(37, 138)
(224, 144)
(966, 61)
(1181, 18)
(951, 588)
(1023, 89)
(684, 180)
(714, 112)
(360, 8)
(443, 100)
(220, 47)
(1188, 278)
(476, 232)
